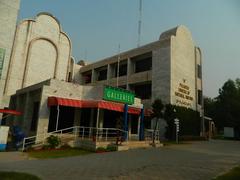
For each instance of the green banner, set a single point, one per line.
(118, 95)
(2, 54)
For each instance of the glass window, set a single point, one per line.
(87, 77)
(199, 97)
(143, 91)
(35, 116)
(199, 71)
(143, 62)
(102, 74)
(122, 70)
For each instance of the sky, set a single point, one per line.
(97, 27)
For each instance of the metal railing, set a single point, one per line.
(149, 135)
(80, 132)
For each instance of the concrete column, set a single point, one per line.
(101, 118)
(93, 76)
(129, 126)
(129, 71)
(97, 122)
(109, 73)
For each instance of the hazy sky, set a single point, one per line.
(96, 27)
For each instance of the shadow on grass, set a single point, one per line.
(233, 174)
(17, 176)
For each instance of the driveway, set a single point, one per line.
(199, 160)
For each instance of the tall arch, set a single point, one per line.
(40, 65)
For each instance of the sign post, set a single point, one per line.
(176, 122)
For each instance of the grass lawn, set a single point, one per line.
(58, 153)
(233, 174)
(17, 176)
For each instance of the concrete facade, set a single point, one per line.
(41, 66)
(173, 75)
(8, 17)
(41, 51)
(25, 98)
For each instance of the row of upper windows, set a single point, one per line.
(141, 63)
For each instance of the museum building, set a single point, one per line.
(53, 92)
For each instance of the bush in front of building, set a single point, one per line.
(109, 148)
(53, 141)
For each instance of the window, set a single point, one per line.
(122, 70)
(87, 77)
(35, 116)
(102, 75)
(69, 77)
(143, 62)
(199, 71)
(199, 97)
(143, 91)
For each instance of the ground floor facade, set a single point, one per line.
(54, 105)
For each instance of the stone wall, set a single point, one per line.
(41, 51)
(8, 16)
(183, 69)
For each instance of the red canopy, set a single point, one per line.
(11, 112)
(54, 101)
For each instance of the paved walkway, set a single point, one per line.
(200, 160)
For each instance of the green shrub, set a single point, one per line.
(111, 148)
(101, 149)
(53, 141)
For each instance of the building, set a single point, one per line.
(54, 93)
(8, 17)
(169, 69)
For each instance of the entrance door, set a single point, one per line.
(134, 121)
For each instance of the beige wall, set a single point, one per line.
(8, 16)
(183, 68)
(41, 51)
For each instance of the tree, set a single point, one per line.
(225, 108)
(209, 107)
(157, 108)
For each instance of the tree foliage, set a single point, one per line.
(225, 108)
(157, 108)
(189, 119)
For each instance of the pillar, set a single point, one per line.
(141, 133)
(125, 125)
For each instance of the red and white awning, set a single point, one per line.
(10, 112)
(114, 106)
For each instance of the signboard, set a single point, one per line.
(118, 95)
(183, 97)
(2, 55)
(3, 137)
(176, 121)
